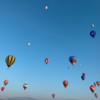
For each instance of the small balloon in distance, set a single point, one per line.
(46, 7)
(92, 25)
(28, 44)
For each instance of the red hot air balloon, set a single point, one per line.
(46, 60)
(2, 88)
(53, 95)
(83, 74)
(65, 83)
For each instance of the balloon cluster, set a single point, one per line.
(83, 76)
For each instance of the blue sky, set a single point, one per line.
(57, 33)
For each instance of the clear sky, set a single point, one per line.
(61, 31)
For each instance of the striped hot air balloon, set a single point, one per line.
(10, 60)
(92, 88)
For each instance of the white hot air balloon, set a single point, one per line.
(25, 86)
(46, 7)
(79, 64)
(28, 44)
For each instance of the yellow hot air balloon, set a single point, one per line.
(6, 82)
(10, 60)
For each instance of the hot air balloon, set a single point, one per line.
(28, 44)
(65, 83)
(92, 88)
(98, 83)
(82, 77)
(93, 33)
(92, 25)
(46, 60)
(46, 7)
(73, 60)
(69, 67)
(83, 74)
(2, 88)
(96, 95)
(25, 86)
(79, 64)
(10, 60)
(95, 84)
(53, 95)
(6, 82)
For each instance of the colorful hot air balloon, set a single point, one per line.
(96, 95)
(98, 83)
(73, 60)
(92, 88)
(46, 60)
(2, 88)
(10, 60)
(65, 83)
(6, 82)
(53, 95)
(82, 77)
(93, 33)
(25, 86)
(92, 25)
(83, 74)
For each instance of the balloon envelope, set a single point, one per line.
(83, 74)
(53, 95)
(95, 84)
(92, 25)
(2, 88)
(73, 60)
(93, 33)
(82, 77)
(46, 60)
(96, 95)
(25, 86)
(65, 83)
(10, 60)
(6, 82)
(92, 88)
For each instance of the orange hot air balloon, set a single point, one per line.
(65, 83)
(53, 95)
(5, 82)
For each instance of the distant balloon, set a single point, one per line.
(69, 67)
(83, 74)
(92, 25)
(79, 64)
(2, 88)
(82, 77)
(46, 60)
(95, 84)
(96, 95)
(10, 60)
(65, 83)
(92, 88)
(25, 86)
(28, 44)
(93, 33)
(5, 82)
(53, 95)
(98, 83)
(46, 7)
(73, 60)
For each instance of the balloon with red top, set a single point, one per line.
(65, 83)
(83, 74)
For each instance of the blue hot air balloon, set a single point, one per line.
(93, 33)
(82, 77)
(73, 60)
